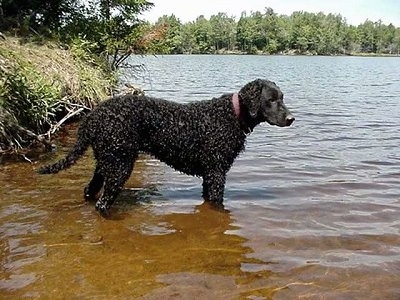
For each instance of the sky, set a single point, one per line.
(355, 11)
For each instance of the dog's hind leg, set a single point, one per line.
(116, 172)
(94, 186)
(206, 194)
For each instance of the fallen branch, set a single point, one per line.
(36, 137)
(12, 133)
(68, 116)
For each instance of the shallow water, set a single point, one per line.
(312, 211)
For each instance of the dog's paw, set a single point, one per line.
(88, 195)
(217, 205)
(103, 209)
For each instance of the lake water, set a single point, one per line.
(312, 211)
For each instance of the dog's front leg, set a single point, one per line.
(117, 170)
(93, 188)
(213, 187)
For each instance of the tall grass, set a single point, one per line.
(42, 84)
(30, 97)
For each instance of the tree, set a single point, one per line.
(331, 33)
(223, 30)
(367, 37)
(283, 33)
(386, 39)
(189, 43)
(270, 29)
(112, 26)
(304, 31)
(37, 15)
(117, 27)
(395, 46)
(203, 34)
(172, 41)
(246, 29)
(349, 40)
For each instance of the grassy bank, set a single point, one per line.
(42, 86)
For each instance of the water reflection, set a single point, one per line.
(149, 248)
(53, 244)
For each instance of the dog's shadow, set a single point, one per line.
(137, 196)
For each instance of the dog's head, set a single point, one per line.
(263, 102)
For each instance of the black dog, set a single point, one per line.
(199, 138)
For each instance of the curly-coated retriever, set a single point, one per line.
(199, 138)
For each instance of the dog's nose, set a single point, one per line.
(289, 120)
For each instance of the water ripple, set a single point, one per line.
(309, 210)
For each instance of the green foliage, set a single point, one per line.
(93, 86)
(223, 30)
(44, 16)
(202, 32)
(42, 84)
(172, 41)
(111, 26)
(32, 99)
(267, 32)
(188, 40)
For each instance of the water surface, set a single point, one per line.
(312, 211)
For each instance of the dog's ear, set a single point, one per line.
(251, 95)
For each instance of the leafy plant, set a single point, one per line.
(33, 100)
(42, 86)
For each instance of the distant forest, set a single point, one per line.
(115, 28)
(269, 33)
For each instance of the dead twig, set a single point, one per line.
(69, 115)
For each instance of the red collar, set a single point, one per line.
(236, 106)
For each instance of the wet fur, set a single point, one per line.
(199, 138)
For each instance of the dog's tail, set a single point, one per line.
(73, 155)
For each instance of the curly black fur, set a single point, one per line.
(200, 138)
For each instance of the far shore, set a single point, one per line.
(287, 54)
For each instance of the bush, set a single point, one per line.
(30, 97)
(43, 84)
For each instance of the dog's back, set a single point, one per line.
(188, 136)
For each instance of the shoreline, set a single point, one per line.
(238, 53)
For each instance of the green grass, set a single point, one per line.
(41, 84)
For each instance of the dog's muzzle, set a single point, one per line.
(289, 120)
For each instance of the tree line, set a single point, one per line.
(114, 28)
(270, 33)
